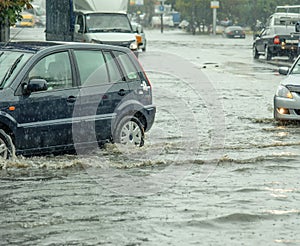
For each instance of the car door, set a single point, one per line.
(259, 42)
(134, 76)
(102, 88)
(45, 117)
(79, 28)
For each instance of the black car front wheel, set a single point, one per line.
(7, 148)
(129, 131)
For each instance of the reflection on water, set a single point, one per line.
(172, 191)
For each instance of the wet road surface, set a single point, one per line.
(216, 169)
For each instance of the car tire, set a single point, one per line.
(144, 48)
(268, 55)
(7, 148)
(255, 53)
(130, 132)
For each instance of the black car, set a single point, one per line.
(278, 38)
(234, 32)
(56, 97)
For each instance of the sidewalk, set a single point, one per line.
(36, 34)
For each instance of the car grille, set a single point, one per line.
(123, 44)
(297, 111)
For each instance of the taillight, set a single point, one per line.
(143, 71)
(276, 40)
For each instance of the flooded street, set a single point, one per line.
(216, 169)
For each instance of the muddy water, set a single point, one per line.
(216, 168)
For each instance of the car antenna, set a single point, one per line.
(11, 38)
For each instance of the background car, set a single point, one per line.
(287, 97)
(277, 38)
(56, 97)
(28, 20)
(140, 30)
(234, 32)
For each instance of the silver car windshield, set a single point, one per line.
(10, 64)
(296, 68)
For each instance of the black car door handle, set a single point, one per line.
(122, 92)
(71, 99)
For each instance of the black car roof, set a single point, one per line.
(29, 46)
(35, 46)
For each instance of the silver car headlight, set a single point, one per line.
(133, 46)
(282, 91)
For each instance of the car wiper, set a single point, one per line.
(11, 70)
(118, 30)
(97, 30)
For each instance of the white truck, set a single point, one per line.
(98, 21)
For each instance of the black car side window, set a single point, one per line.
(130, 70)
(92, 67)
(113, 68)
(55, 69)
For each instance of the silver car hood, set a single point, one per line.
(293, 79)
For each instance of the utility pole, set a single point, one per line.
(161, 9)
(4, 30)
(214, 5)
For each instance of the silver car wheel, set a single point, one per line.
(131, 134)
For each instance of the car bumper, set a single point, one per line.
(285, 50)
(149, 113)
(287, 109)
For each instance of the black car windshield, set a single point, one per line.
(108, 22)
(287, 30)
(10, 65)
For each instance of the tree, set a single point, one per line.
(242, 12)
(196, 12)
(9, 14)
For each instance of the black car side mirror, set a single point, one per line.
(35, 85)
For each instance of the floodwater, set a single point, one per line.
(216, 169)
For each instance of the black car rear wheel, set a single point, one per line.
(255, 53)
(130, 132)
(268, 54)
(7, 148)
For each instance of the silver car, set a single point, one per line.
(287, 97)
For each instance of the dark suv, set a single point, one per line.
(56, 97)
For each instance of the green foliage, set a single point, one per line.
(198, 12)
(10, 9)
(243, 12)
